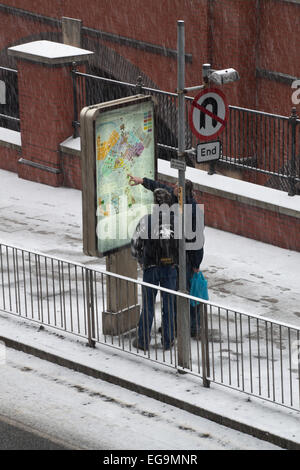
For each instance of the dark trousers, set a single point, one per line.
(165, 276)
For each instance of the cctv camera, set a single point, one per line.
(221, 77)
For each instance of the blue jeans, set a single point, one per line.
(165, 276)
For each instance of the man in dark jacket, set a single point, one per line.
(194, 246)
(156, 249)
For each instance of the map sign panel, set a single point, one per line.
(125, 145)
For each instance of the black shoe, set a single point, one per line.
(167, 348)
(196, 334)
(135, 344)
(160, 330)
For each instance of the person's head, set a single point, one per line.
(188, 189)
(162, 196)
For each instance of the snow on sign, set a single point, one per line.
(208, 114)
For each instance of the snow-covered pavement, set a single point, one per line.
(243, 274)
(87, 413)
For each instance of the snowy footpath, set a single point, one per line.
(84, 413)
(242, 274)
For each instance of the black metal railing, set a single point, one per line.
(260, 142)
(248, 353)
(9, 102)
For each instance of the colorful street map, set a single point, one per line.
(124, 146)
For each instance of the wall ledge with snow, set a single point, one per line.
(237, 190)
(71, 146)
(10, 139)
(49, 52)
(219, 185)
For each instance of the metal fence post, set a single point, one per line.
(292, 173)
(75, 120)
(90, 310)
(204, 345)
(139, 85)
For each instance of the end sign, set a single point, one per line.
(209, 151)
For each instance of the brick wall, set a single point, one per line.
(152, 22)
(278, 51)
(223, 213)
(234, 45)
(42, 7)
(250, 221)
(245, 34)
(17, 29)
(47, 93)
(46, 113)
(8, 158)
(71, 165)
(275, 97)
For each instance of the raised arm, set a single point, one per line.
(135, 180)
(148, 183)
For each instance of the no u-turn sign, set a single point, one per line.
(208, 114)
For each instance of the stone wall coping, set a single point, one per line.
(71, 146)
(10, 139)
(223, 186)
(49, 52)
(234, 189)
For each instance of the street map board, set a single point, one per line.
(123, 144)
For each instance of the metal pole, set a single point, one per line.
(183, 314)
(139, 85)
(204, 344)
(75, 97)
(90, 308)
(292, 171)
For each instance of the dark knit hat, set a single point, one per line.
(162, 196)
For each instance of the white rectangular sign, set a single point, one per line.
(178, 164)
(209, 151)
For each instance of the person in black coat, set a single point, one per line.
(156, 250)
(195, 245)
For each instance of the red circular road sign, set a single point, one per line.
(208, 114)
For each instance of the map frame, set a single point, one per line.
(88, 118)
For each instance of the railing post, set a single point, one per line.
(90, 310)
(204, 345)
(292, 173)
(139, 85)
(75, 120)
(212, 168)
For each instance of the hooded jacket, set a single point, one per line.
(154, 229)
(194, 256)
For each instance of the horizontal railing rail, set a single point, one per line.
(249, 353)
(256, 141)
(7, 69)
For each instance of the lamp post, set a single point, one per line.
(218, 77)
(183, 317)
